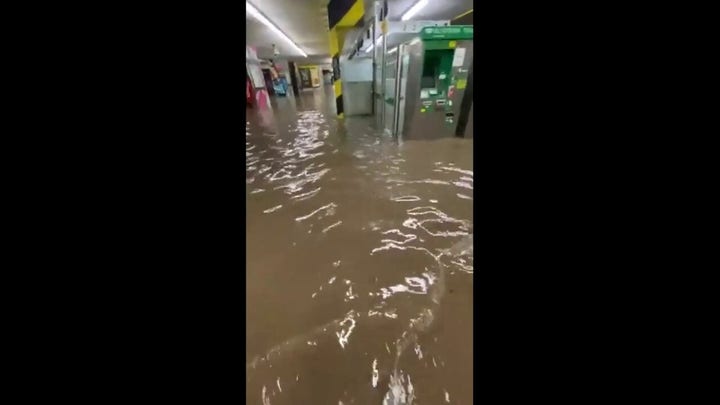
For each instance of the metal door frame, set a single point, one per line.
(393, 124)
(401, 92)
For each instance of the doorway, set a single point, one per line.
(268, 81)
(305, 79)
(292, 70)
(327, 76)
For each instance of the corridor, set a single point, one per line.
(359, 260)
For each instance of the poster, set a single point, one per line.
(459, 57)
(256, 75)
(253, 68)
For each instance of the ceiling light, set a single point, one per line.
(414, 9)
(255, 13)
(393, 50)
(370, 48)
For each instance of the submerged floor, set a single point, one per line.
(346, 230)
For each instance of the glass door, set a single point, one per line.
(404, 58)
(390, 91)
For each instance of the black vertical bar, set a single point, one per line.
(336, 67)
(339, 105)
(372, 87)
(293, 78)
(465, 104)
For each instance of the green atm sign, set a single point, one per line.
(451, 32)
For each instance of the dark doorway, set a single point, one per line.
(327, 76)
(292, 69)
(268, 81)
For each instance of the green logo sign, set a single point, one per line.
(451, 32)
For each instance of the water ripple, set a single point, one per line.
(403, 209)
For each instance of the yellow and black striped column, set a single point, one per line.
(342, 15)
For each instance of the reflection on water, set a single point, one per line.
(360, 261)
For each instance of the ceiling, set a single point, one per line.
(306, 23)
(435, 10)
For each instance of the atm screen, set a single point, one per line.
(428, 82)
(430, 70)
(436, 63)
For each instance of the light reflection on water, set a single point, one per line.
(347, 238)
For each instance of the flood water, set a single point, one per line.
(359, 261)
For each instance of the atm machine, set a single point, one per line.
(433, 72)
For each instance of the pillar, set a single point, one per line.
(342, 15)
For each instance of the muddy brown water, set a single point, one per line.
(348, 232)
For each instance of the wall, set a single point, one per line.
(357, 70)
(357, 76)
(312, 60)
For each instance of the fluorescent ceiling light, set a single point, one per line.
(370, 48)
(393, 50)
(414, 9)
(258, 16)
